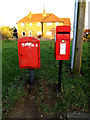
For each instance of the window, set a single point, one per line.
(38, 24)
(22, 24)
(56, 23)
(49, 33)
(23, 33)
(49, 23)
(30, 34)
(30, 24)
(39, 33)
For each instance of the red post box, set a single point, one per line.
(29, 53)
(62, 43)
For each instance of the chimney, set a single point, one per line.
(30, 14)
(44, 14)
(44, 11)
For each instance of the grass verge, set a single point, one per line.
(75, 90)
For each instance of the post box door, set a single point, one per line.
(62, 44)
(29, 55)
(62, 49)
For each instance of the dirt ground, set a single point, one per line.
(25, 106)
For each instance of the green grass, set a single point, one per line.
(74, 89)
(12, 76)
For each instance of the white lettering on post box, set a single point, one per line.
(22, 44)
(62, 48)
(36, 45)
(27, 44)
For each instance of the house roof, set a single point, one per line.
(66, 21)
(44, 17)
(87, 30)
(52, 18)
(34, 18)
(41, 17)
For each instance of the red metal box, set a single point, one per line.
(29, 52)
(63, 28)
(62, 43)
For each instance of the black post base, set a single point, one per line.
(59, 79)
(31, 77)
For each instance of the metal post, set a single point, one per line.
(74, 33)
(31, 76)
(60, 71)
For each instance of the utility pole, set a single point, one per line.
(79, 36)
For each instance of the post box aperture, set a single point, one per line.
(29, 53)
(62, 43)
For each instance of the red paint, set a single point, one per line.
(62, 41)
(29, 53)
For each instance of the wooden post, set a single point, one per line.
(79, 38)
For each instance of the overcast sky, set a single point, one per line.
(12, 11)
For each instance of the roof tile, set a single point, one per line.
(47, 17)
(34, 18)
(51, 18)
(66, 21)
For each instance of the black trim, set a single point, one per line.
(63, 32)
